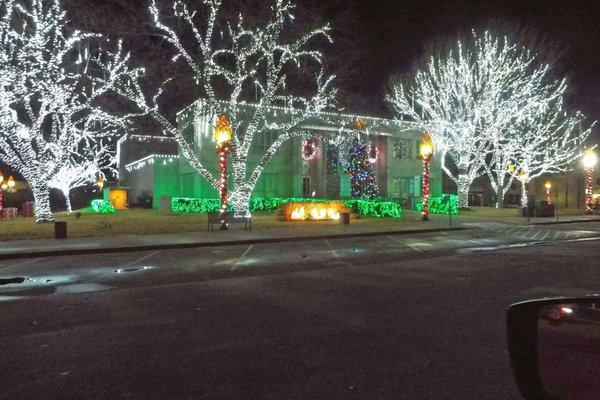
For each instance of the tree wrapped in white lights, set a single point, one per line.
(81, 170)
(469, 99)
(548, 141)
(255, 60)
(48, 100)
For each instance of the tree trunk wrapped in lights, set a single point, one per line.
(255, 60)
(48, 99)
(471, 100)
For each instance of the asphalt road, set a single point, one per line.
(390, 317)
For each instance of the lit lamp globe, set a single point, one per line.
(11, 182)
(1, 178)
(426, 147)
(590, 159)
(223, 132)
(548, 185)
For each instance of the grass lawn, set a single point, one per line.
(139, 221)
(134, 221)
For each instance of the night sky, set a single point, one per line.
(378, 39)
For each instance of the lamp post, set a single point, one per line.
(223, 135)
(589, 162)
(426, 153)
(548, 186)
(5, 186)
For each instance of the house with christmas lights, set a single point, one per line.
(314, 164)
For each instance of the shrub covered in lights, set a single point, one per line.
(102, 207)
(374, 208)
(196, 205)
(444, 204)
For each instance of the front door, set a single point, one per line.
(306, 187)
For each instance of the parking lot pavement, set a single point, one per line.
(386, 318)
(95, 272)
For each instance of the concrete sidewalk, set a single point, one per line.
(28, 248)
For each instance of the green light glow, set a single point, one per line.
(373, 208)
(102, 207)
(444, 204)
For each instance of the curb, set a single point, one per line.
(567, 222)
(174, 246)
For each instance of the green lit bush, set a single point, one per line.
(444, 204)
(102, 207)
(374, 208)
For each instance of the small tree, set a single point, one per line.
(548, 141)
(362, 177)
(82, 170)
(48, 99)
(230, 60)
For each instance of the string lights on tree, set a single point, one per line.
(83, 169)
(547, 141)
(48, 101)
(472, 100)
(247, 58)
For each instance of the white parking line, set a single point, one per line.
(535, 235)
(20, 264)
(142, 258)
(244, 254)
(335, 254)
(412, 246)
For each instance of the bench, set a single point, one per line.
(215, 218)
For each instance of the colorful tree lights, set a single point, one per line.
(362, 176)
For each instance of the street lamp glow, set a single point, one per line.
(426, 147)
(589, 159)
(11, 182)
(548, 185)
(1, 178)
(223, 132)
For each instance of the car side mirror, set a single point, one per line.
(554, 348)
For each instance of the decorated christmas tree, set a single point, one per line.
(362, 177)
